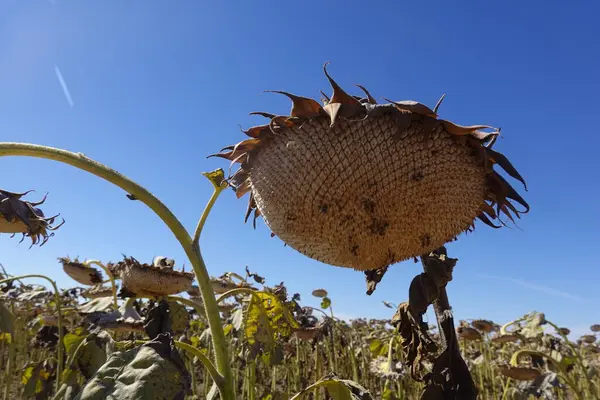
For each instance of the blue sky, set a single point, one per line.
(156, 86)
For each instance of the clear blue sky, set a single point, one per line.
(156, 86)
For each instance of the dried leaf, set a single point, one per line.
(302, 107)
(460, 130)
(338, 389)
(502, 161)
(339, 95)
(414, 107)
(369, 97)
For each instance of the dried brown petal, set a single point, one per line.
(414, 107)
(302, 107)
(460, 130)
(339, 95)
(370, 98)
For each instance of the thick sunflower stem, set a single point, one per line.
(59, 356)
(449, 366)
(137, 192)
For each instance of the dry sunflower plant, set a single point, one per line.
(348, 182)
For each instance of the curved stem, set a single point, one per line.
(110, 277)
(214, 374)
(575, 352)
(84, 163)
(209, 206)
(504, 328)
(59, 366)
(189, 303)
(233, 292)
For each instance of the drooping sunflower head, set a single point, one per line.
(80, 272)
(150, 280)
(19, 216)
(362, 185)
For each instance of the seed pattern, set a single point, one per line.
(361, 185)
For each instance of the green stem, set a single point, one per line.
(214, 374)
(211, 202)
(575, 352)
(84, 163)
(110, 277)
(59, 366)
(233, 292)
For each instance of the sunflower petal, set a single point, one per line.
(339, 95)
(414, 107)
(502, 161)
(460, 130)
(369, 97)
(302, 107)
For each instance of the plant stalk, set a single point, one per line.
(138, 192)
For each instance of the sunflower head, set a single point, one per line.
(80, 272)
(19, 216)
(150, 280)
(362, 185)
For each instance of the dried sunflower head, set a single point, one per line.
(19, 216)
(589, 339)
(150, 280)
(519, 373)
(595, 328)
(79, 272)
(506, 338)
(483, 325)
(564, 331)
(319, 293)
(467, 333)
(97, 292)
(362, 185)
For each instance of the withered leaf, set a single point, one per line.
(339, 95)
(302, 107)
(460, 130)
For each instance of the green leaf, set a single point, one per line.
(7, 319)
(95, 349)
(31, 379)
(180, 318)
(375, 346)
(152, 371)
(338, 389)
(227, 329)
(267, 319)
(72, 340)
(325, 303)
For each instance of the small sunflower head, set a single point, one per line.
(506, 338)
(97, 292)
(19, 216)
(80, 272)
(564, 331)
(519, 373)
(588, 339)
(150, 280)
(319, 293)
(468, 333)
(595, 328)
(483, 325)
